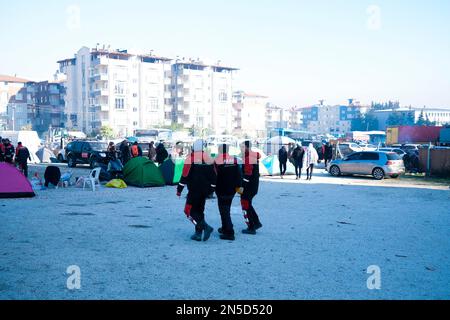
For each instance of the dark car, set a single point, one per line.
(86, 152)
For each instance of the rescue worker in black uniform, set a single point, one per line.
(250, 183)
(22, 157)
(200, 178)
(8, 151)
(228, 183)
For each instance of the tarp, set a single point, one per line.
(143, 173)
(13, 184)
(272, 165)
(45, 155)
(116, 183)
(171, 170)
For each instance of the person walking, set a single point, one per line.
(161, 153)
(152, 151)
(250, 184)
(200, 178)
(328, 153)
(8, 151)
(125, 154)
(283, 158)
(228, 183)
(22, 157)
(309, 160)
(297, 157)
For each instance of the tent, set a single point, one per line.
(142, 172)
(262, 168)
(45, 155)
(171, 170)
(13, 184)
(272, 165)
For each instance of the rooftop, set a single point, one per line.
(6, 78)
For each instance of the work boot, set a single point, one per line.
(207, 232)
(220, 230)
(258, 226)
(197, 236)
(227, 237)
(249, 231)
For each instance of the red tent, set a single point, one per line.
(13, 184)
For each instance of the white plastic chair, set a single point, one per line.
(92, 178)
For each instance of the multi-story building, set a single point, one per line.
(286, 118)
(115, 88)
(436, 115)
(9, 87)
(249, 115)
(335, 120)
(202, 96)
(37, 106)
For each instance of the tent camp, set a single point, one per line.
(30, 139)
(171, 170)
(13, 183)
(273, 166)
(45, 155)
(143, 173)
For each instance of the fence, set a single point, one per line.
(435, 162)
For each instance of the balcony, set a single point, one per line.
(100, 77)
(100, 92)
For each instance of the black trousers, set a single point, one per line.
(225, 202)
(283, 166)
(309, 171)
(298, 169)
(195, 209)
(251, 216)
(24, 168)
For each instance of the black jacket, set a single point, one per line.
(23, 155)
(228, 175)
(297, 155)
(161, 154)
(124, 152)
(9, 151)
(250, 174)
(198, 175)
(282, 155)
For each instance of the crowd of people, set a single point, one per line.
(18, 156)
(303, 158)
(128, 151)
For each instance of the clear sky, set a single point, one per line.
(296, 52)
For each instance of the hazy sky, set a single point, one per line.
(296, 52)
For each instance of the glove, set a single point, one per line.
(239, 190)
(178, 194)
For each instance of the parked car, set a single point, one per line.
(86, 152)
(347, 148)
(61, 156)
(379, 164)
(368, 147)
(398, 151)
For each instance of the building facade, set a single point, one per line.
(249, 115)
(37, 106)
(437, 116)
(335, 120)
(9, 87)
(117, 89)
(202, 97)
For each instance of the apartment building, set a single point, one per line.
(116, 88)
(37, 105)
(249, 114)
(9, 87)
(202, 96)
(335, 120)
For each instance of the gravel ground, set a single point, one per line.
(317, 242)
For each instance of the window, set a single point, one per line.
(354, 157)
(119, 87)
(370, 156)
(153, 104)
(135, 123)
(135, 109)
(135, 95)
(120, 103)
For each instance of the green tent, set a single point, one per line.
(171, 170)
(141, 172)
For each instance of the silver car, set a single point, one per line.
(375, 163)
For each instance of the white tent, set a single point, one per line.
(29, 139)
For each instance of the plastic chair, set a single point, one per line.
(92, 178)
